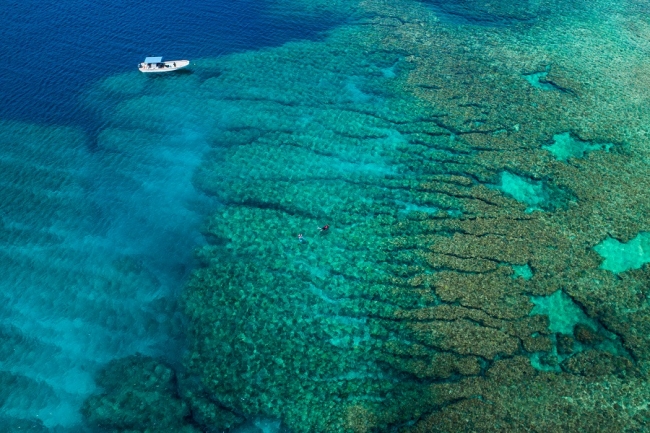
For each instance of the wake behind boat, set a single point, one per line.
(156, 64)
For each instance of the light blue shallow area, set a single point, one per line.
(562, 312)
(526, 191)
(522, 271)
(563, 315)
(537, 80)
(620, 257)
(537, 195)
(565, 146)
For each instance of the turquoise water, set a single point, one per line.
(564, 147)
(620, 257)
(99, 214)
(485, 197)
(96, 246)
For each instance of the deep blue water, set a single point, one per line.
(52, 49)
(98, 220)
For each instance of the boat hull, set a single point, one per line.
(169, 66)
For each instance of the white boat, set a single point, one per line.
(156, 64)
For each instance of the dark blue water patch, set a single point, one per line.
(51, 50)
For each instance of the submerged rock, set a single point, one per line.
(564, 344)
(206, 412)
(586, 335)
(595, 363)
(139, 396)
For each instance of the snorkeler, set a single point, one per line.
(324, 228)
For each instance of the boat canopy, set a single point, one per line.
(153, 60)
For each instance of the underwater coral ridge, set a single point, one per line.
(408, 314)
(139, 395)
(355, 320)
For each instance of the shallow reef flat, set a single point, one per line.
(476, 171)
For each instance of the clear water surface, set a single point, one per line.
(98, 227)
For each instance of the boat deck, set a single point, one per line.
(171, 65)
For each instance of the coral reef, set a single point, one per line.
(459, 286)
(139, 395)
(515, 398)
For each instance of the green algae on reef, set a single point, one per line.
(404, 315)
(139, 395)
(354, 320)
